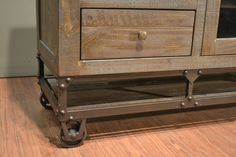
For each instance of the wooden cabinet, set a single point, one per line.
(114, 57)
(97, 37)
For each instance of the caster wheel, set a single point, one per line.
(44, 102)
(73, 132)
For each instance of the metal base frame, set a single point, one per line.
(73, 119)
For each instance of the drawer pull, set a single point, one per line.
(142, 35)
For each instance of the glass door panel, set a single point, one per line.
(227, 19)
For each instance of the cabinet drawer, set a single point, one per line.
(123, 33)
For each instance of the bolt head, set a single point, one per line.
(71, 118)
(196, 103)
(185, 72)
(62, 85)
(200, 72)
(68, 79)
(62, 111)
(190, 98)
(182, 104)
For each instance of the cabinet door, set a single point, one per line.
(220, 28)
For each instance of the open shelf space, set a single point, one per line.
(166, 89)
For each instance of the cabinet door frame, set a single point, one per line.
(211, 44)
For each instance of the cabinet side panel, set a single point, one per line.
(48, 32)
(49, 23)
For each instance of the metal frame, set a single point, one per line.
(79, 114)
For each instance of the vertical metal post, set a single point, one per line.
(41, 73)
(63, 85)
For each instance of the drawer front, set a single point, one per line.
(121, 33)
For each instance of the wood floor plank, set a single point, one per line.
(27, 130)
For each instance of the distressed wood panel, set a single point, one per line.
(69, 35)
(225, 46)
(163, 4)
(69, 55)
(116, 66)
(114, 33)
(211, 25)
(48, 58)
(49, 24)
(199, 28)
(47, 33)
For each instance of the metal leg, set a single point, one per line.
(41, 76)
(73, 120)
(73, 132)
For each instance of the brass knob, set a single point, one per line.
(142, 35)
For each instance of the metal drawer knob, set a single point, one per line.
(142, 35)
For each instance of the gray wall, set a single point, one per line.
(17, 38)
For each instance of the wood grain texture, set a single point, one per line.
(49, 24)
(211, 25)
(211, 44)
(114, 33)
(69, 36)
(26, 127)
(157, 4)
(114, 66)
(225, 46)
(199, 28)
(48, 37)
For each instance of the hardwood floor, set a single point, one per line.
(26, 128)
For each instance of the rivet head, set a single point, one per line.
(200, 72)
(62, 111)
(62, 85)
(190, 98)
(68, 79)
(196, 103)
(182, 104)
(71, 118)
(185, 72)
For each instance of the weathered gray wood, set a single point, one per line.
(49, 24)
(155, 64)
(199, 28)
(69, 36)
(47, 12)
(225, 46)
(160, 4)
(211, 44)
(114, 33)
(68, 58)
